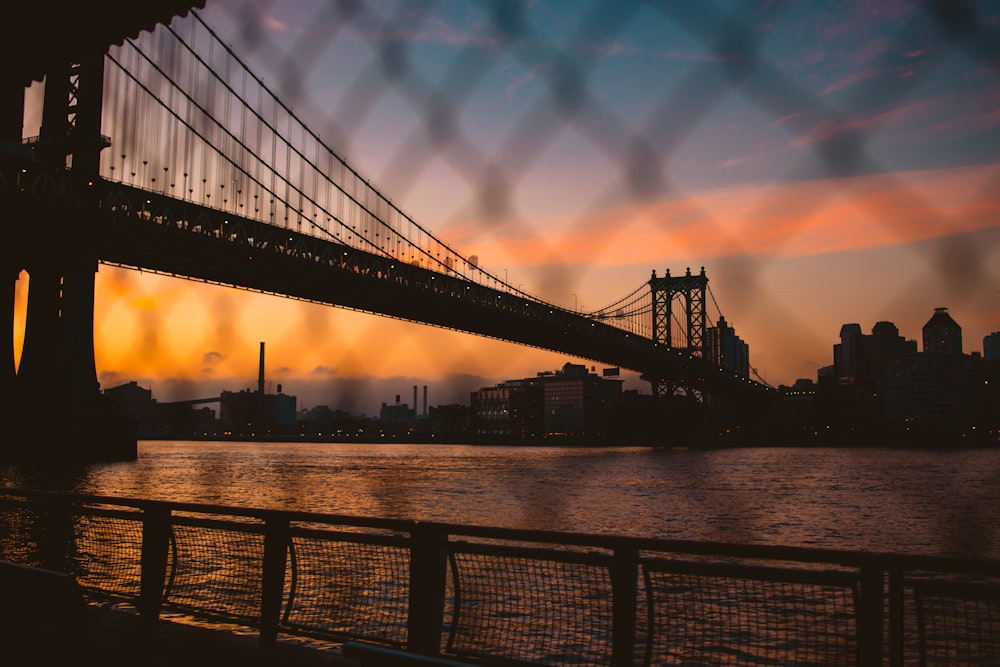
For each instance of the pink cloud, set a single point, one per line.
(797, 219)
(277, 25)
(850, 80)
(522, 80)
(831, 127)
(787, 118)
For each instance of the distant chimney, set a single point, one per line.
(260, 371)
(425, 400)
(414, 399)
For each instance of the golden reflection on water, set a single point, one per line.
(874, 499)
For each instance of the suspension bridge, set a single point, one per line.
(206, 174)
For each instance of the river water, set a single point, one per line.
(909, 501)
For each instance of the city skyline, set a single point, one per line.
(795, 242)
(391, 389)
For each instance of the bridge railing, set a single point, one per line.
(503, 596)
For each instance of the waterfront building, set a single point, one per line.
(857, 359)
(251, 413)
(939, 389)
(882, 382)
(569, 402)
(931, 391)
(490, 411)
(397, 413)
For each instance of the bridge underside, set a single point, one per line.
(397, 291)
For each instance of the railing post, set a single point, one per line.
(897, 617)
(276, 538)
(624, 593)
(870, 614)
(155, 542)
(428, 579)
(57, 541)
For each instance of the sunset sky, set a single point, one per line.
(825, 162)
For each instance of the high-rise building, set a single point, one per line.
(857, 358)
(723, 347)
(942, 333)
(846, 353)
(937, 389)
(991, 346)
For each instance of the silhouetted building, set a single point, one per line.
(938, 389)
(847, 352)
(253, 414)
(723, 347)
(446, 422)
(514, 409)
(569, 402)
(885, 387)
(138, 405)
(931, 391)
(398, 413)
(942, 334)
(858, 358)
(991, 346)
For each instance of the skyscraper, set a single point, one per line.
(942, 333)
(723, 347)
(991, 346)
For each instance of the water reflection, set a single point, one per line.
(872, 499)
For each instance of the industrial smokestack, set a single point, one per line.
(414, 400)
(425, 400)
(260, 371)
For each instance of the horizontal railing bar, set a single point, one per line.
(218, 524)
(755, 572)
(346, 536)
(847, 557)
(534, 553)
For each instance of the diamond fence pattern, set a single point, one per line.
(729, 51)
(646, 148)
(348, 587)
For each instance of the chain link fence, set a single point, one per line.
(842, 155)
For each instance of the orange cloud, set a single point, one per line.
(788, 220)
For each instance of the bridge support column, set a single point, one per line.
(7, 368)
(78, 371)
(36, 377)
(58, 375)
(57, 360)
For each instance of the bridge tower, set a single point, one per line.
(689, 293)
(57, 369)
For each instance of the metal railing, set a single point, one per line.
(504, 596)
